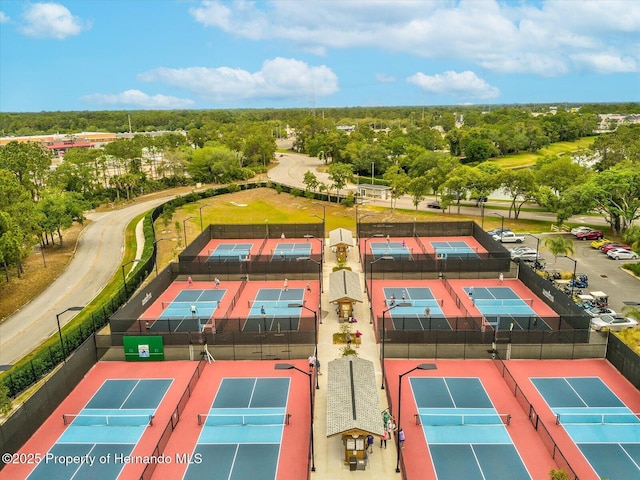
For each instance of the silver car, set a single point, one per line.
(609, 322)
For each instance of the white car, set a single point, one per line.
(599, 311)
(518, 253)
(609, 322)
(622, 254)
(577, 230)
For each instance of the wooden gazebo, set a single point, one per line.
(340, 241)
(353, 409)
(344, 291)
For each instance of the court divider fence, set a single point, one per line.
(174, 419)
(534, 418)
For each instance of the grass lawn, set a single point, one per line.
(527, 159)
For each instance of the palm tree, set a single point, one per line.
(559, 247)
(558, 474)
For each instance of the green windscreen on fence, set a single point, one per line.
(142, 349)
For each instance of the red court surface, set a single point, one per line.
(449, 308)
(523, 370)
(417, 460)
(419, 245)
(295, 441)
(262, 246)
(180, 372)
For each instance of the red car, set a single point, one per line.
(590, 235)
(611, 246)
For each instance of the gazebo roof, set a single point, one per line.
(340, 236)
(352, 397)
(345, 285)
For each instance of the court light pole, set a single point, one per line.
(309, 259)
(575, 267)
(124, 277)
(205, 205)
(288, 366)
(384, 257)
(422, 366)
(70, 309)
(184, 229)
(315, 318)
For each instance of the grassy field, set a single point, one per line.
(526, 159)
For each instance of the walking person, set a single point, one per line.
(217, 282)
(348, 340)
(358, 335)
(370, 443)
(190, 282)
(312, 362)
(401, 437)
(391, 425)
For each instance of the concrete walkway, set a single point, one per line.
(329, 451)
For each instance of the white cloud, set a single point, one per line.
(509, 37)
(384, 78)
(138, 99)
(4, 18)
(463, 85)
(605, 63)
(51, 20)
(279, 78)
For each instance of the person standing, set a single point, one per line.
(358, 335)
(263, 312)
(286, 285)
(348, 340)
(471, 293)
(383, 439)
(427, 312)
(501, 277)
(194, 311)
(217, 282)
(190, 282)
(309, 287)
(401, 437)
(370, 443)
(312, 362)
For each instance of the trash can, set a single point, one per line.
(353, 464)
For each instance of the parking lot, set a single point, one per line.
(604, 274)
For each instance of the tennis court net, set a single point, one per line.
(422, 302)
(457, 419)
(240, 420)
(503, 302)
(91, 420)
(209, 305)
(275, 303)
(627, 418)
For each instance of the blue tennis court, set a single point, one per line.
(242, 432)
(416, 309)
(188, 312)
(454, 249)
(604, 429)
(275, 309)
(502, 307)
(239, 252)
(287, 251)
(467, 438)
(393, 249)
(108, 427)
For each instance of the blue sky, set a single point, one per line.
(164, 54)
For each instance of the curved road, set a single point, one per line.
(93, 263)
(98, 256)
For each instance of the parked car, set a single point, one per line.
(434, 205)
(614, 246)
(508, 237)
(622, 254)
(610, 322)
(599, 311)
(590, 235)
(496, 231)
(600, 243)
(576, 230)
(518, 252)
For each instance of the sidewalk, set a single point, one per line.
(329, 451)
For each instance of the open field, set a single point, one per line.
(527, 159)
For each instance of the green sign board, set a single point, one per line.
(143, 349)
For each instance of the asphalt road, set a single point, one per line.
(98, 256)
